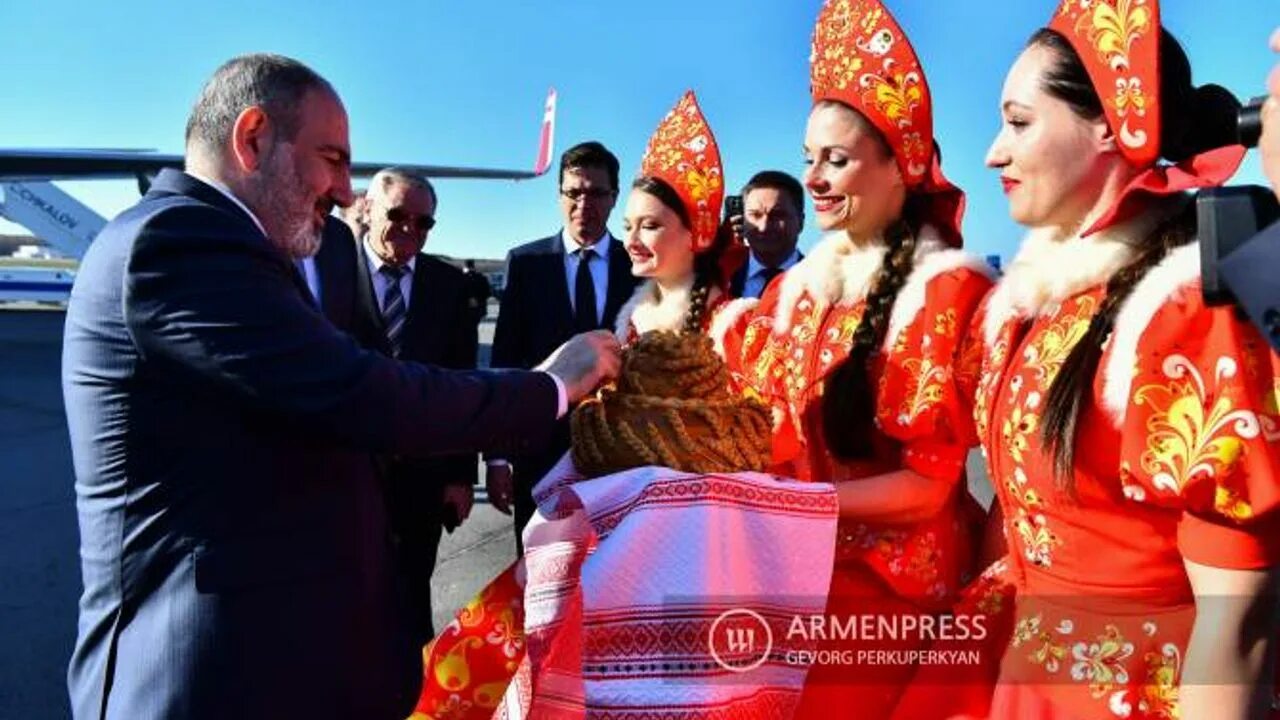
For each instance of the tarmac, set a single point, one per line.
(39, 560)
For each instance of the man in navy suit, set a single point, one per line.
(574, 281)
(1250, 270)
(233, 538)
(414, 306)
(773, 216)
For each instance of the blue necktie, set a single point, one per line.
(393, 307)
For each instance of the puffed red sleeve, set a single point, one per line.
(1201, 432)
(926, 391)
(757, 361)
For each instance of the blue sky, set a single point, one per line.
(463, 83)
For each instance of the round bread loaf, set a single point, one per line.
(670, 406)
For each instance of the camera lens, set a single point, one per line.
(1249, 123)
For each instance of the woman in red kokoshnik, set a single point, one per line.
(1129, 430)
(626, 569)
(856, 348)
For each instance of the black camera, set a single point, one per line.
(1227, 217)
(733, 206)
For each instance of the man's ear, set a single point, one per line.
(251, 138)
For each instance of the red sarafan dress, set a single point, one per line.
(783, 351)
(470, 664)
(1176, 457)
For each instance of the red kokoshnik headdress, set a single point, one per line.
(861, 58)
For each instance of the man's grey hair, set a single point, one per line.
(275, 83)
(394, 175)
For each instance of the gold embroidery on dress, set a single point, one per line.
(1102, 663)
(1045, 651)
(1196, 430)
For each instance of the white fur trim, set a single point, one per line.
(911, 297)
(727, 317)
(644, 292)
(1050, 268)
(650, 308)
(1160, 285)
(836, 272)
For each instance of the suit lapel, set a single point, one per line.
(366, 303)
(557, 284)
(424, 298)
(621, 282)
(738, 284)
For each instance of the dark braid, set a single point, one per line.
(698, 298)
(1074, 381)
(848, 402)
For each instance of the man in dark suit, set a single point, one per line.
(233, 539)
(551, 293)
(478, 291)
(773, 216)
(413, 306)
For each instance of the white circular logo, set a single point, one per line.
(740, 640)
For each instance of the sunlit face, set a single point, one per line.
(586, 199)
(658, 243)
(300, 181)
(1051, 160)
(771, 223)
(855, 185)
(399, 219)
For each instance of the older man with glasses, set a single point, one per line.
(574, 280)
(413, 306)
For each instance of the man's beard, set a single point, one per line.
(288, 209)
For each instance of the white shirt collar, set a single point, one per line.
(601, 245)
(230, 196)
(754, 266)
(376, 263)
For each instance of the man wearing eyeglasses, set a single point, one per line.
(412, 306)
(570, 282)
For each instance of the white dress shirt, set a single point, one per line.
(599, 269)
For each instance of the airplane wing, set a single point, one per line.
(88, 164)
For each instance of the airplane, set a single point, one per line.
(28, 198)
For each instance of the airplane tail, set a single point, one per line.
(547, 139)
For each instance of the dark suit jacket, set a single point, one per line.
(233, 538)
(336, 266)
(437, 330)
(1250, 273)
(536, 316)
(738, 282)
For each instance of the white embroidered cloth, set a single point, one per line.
(655, 593)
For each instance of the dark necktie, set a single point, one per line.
(584, 294)
(767, 275)
(393, 307)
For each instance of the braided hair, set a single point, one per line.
(1193, 120)
(848, 401)
(1067, 392)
